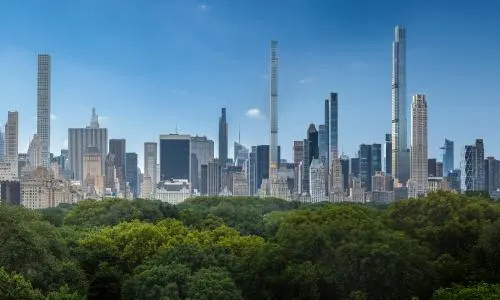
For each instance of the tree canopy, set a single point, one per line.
(443, 246)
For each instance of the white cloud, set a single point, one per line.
(203, 7)
(254, 113)
(53, 117)
(306, 80)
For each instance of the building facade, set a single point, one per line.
(400, 166)
(419, 161)
(175, 157)
(43, 107)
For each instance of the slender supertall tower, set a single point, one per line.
(223, 143)
(400, 159)
(419, 162)
(273, 108)
(43, 107)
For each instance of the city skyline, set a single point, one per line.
(297, 82)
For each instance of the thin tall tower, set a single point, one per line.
(419, 162)
(273, 108)
(43, 107)
(400, 159)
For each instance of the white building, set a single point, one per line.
(240, 184)
(147, 188)
(317, 181)
(43, 107)
(357, 193)
(173, 191)
(437, 184)
(337, 193)
(35, 153)
(418, 184)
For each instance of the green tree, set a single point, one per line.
(15, 287)
(212, 284)
(481, 291)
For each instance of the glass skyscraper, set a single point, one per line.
(448, 157)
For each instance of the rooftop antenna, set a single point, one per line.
(239, 135)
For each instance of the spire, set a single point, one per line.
(94, 121)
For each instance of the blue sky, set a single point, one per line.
(150, 67)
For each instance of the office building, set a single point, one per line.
(448, 157)
(419, 164)
(118, 147)
(262, 164)
(376, 158)
(203, 149)
(175, 156)
(252, 171)
(11, 137)
(79, 139)
(327, 125)
(473, 172)
(345, 162)
(298, 155)
(10, 192)
(240, 154)
(43, 107)
(388, 154)
(365, 165)
(400, 166)
(492, 174)
(223, 140)
(131, 174)
(431, 169)
(204, 180)
(439, 169)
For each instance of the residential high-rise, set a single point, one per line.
(273, 111)
(213, 177)
(131, 174)
(327, 124)
(323, 144)
(317, 181)
(388, 154)
(2, 145)
(175, 157)
(439, 169)
(93, 181)
(344, 162)
(79, 139)
(419, 164)
(240, 154)
(400, 165)
(448, 157)
(43, 107)
(9, 168)
(150, 161)
(223, 143)
(333, 124)
(204, 180)
(118, 147)
(376, 158)
(262, 164)
(35, 158)
(298, 154)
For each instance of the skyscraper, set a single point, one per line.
(79, 139)
(203, 149)
(365, 164)
(388, 154)
(333, 125)
(118, 147)
(273, 110)
(223, 143)
(327, 124)
(419, 163)
(399, 120)
(131, 173)
(479, 164)
(12, 142)
(448, 157)
(312, 138)
(150, 161)
(175, 157)
(43, 107)
(323, 144)
(2, 145)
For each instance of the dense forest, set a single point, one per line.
(443, 246)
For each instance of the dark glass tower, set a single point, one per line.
(117, 148)
(388, 154)
(175, 157)
(312, 138)
(131, 172)
(223, 143)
